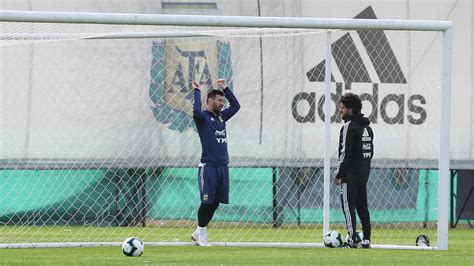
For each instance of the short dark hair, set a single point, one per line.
(352, 101)
(213, 93)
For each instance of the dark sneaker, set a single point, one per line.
(365, 243)
(348, 245)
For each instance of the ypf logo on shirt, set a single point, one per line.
(220, 136)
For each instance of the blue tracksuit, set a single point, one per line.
(213, 171)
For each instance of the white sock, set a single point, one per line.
(202, 231)
(365, 242)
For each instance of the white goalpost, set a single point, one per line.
(98, 142)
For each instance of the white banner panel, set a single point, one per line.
(95, 99)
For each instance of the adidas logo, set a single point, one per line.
(364, 57)
(366, 137)
(349, 60)
(365, 133)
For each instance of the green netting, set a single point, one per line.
(121, 196)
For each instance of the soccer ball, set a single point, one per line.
(358, 236)
(333, 239)
(423, 241)
(132, 247)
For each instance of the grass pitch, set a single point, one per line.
(461, 252)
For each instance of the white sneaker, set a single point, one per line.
(195, 236)
(203, 242)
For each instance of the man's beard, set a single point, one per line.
(216, 110)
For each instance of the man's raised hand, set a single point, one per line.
(222, 83)
(195, 85)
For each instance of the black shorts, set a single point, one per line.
(213, 183)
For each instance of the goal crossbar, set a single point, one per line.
(223, 21)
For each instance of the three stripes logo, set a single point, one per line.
(366, 144)
(366, 133)
(369, 61)
(349, 61)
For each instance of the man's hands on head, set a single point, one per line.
(222, 83)
(195, 85)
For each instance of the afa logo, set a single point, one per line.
(174, 67)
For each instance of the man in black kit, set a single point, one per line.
(356, 150)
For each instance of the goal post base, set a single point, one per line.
(216, 244)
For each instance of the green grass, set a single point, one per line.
(461, 252)
(181, 233)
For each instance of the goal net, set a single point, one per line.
(97, 140)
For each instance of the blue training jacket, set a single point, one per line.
(212, 130)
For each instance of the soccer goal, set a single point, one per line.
(97, 140)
